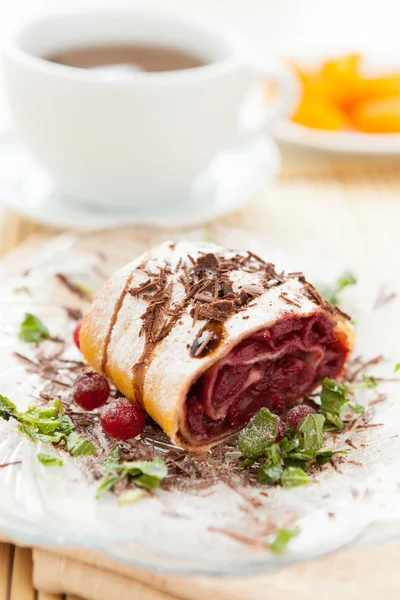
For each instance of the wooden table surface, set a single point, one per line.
(341, 199)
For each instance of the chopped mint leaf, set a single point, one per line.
(302, 455)
(357, 409)
(311, 432)
(85, 289)
(330, 292)
(108, 481)
(324, 455)
(247, 462)
(207, 237)
(273, 455)
(33, 329)
(130, 496)
(369, 381)
(294, 476)
(77, 445)
(347, 278)
(259, 435)
(146, 474)
(57, 405)
(271, 470)
(7, 409)
(269, 473)
(112, 459)
(282, 538)
(48, 424)
(333, 422)
(40, 425)
(287, 445)
(397, 368)
(32, 432)
(333, 398)
(49, 460)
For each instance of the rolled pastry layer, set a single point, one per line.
(202, 337)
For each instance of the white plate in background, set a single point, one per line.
(342, 142)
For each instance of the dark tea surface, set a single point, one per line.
(140, 57)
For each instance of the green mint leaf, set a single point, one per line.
(294, 476)
(332, 422)
(57, 404)
(8, 409)
(357, 409)
(397, 368)
(85, 289)
(330, 292)
(112, 459)
(288, 445)
(347, 278)
(282, 538)
(302, 455)
(271, 469)
(49, 460)
(333, 398)
(147, 481)
(77, 445)
(146, 474)
(369, 381)
(311, 431)
(247, 462)
(46, 424)
(46, 412)
(325, 454)
(273, 455)
(269, 473)
(32, 432)
(207, 237)
(130, 496)
(40, 425)
(66, 425)
(108, 481)
(259, 435)
(33, 329)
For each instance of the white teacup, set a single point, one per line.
(133, 137)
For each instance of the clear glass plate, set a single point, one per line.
(174, 531)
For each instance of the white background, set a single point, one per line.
(276, 23)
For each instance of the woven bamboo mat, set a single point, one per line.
(330, 198)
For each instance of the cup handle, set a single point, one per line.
(285, 98)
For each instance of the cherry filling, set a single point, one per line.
(272, 367)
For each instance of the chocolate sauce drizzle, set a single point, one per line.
(113, 320)
(207, 340)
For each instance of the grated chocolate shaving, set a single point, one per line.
(72, 287)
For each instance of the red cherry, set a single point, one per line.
(90, 390)
(281, 428)
(122, 420)
(297, 413)
(76, 335)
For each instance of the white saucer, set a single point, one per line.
(233, 178)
